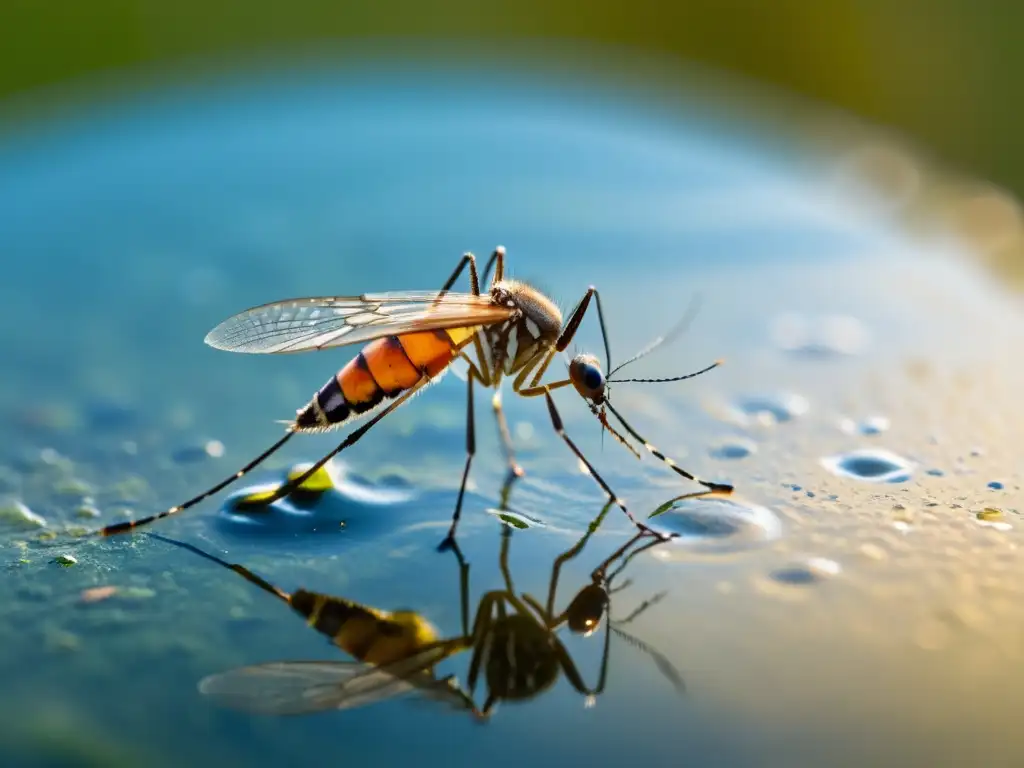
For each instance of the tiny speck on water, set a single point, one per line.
(65, 560)
(214, 449)
(873, 465)
(995, 485)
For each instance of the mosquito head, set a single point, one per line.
(588, 378)
(587, 609)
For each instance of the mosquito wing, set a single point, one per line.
(301, 687)
(300, 325)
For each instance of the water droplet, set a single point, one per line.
(995, 485)
(766, 410)
(819, 336)
(813, 571)
(713, 525)
(736, 448)
(873, 425)
(873, 465)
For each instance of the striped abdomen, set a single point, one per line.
(383, 370)
(368, 634)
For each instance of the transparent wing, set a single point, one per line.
(300, 325)
(299, 687)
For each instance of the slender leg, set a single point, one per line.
(556, 422)
(351, 439)
(474, 280)
(506, 437)
(470, 452)
(497, 260)
(128, 525)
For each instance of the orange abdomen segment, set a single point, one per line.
(390, 367)
(430, 351)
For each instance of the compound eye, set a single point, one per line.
(593, 378)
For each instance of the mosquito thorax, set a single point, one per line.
(586, 610)
(543, 318)
(587, 377)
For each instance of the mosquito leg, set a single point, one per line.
(556, 422)
(353, 437)
(506, 437)
(463, 586)
(724, 488)
(449, 540)
(497, 260)
(474, 281)
(128, 525)
(241, 570)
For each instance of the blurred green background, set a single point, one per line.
(943, 72)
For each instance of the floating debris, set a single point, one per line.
(873, 465)
(65, 560)
(736, 448)
(714, 525)
(15, 511)
(517, 519)
(992, 517)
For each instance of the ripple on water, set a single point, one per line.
(873, 465)
(713, 525)
(330, 500)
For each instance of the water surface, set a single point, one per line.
(880, 623)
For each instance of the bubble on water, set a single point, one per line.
(766, 409)
(873, 425)
(995, 485)
(713, 525)
(819, 336)
(873, 465)
(735, 448)
(812, 571)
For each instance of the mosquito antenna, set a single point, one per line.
(672, 378)
(128, 525)
(717, 487)
(673, 332)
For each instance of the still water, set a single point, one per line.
(858, 600)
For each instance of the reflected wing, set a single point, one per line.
(299, 687)
(299, 325)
